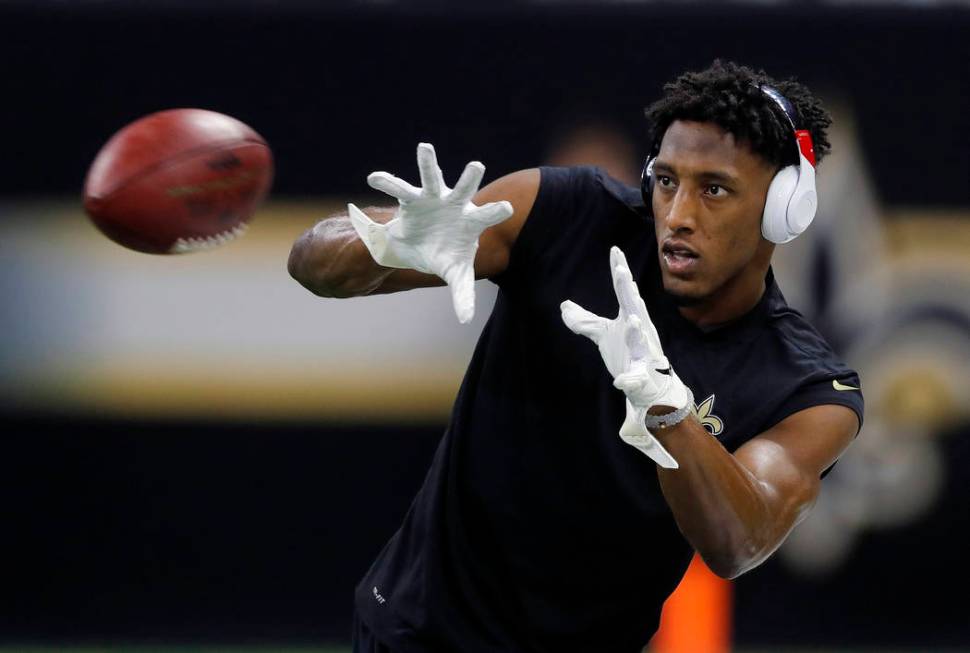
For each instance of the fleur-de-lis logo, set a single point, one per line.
(708, 419)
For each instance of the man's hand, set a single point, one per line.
(631, 349)
(436, 229)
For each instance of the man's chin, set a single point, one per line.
(685, 300)
(682, 298)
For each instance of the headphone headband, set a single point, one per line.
(782, 102)
(803, 138)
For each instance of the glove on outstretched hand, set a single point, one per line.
(435, 229)
(631, 349)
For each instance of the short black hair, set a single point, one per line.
(728, 95)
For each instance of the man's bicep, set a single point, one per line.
(790, 457)
(495, 245)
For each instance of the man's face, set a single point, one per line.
(708, 196)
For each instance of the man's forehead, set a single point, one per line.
(688, 141)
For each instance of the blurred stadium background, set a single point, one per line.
(197, 453)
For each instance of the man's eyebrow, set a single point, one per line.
(706, 175)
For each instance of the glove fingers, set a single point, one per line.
(630, 300)
(626, 290)
(617, 258)
(582, 322)
(638, 386)
(468, 183)
(461, 282)
(629, 382)
(652, 338)
(432, 183)
(636, 339)
(393, 186)
(492, 213)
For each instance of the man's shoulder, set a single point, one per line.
(587, 185)
(804, 344)
(803, 362)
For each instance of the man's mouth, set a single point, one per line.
(679, 258)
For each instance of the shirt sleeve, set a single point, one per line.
(833, 388)
(562, 199)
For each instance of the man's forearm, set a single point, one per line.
(719, 505)
(331, 261)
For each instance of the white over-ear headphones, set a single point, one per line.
(792, 200)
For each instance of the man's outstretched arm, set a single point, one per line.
(736, 510)
(331, 260)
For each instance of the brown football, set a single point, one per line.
(178, 181)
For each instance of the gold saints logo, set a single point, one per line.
(709, 420)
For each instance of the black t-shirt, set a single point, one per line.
(537, 528)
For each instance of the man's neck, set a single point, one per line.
(725, 307)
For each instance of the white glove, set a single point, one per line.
(435, 229)
(631, 349)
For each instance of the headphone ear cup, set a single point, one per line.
(646, 183)
(774, 220)
(804, 201)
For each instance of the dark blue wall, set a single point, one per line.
(181, 531)
(192, 531)
(341, 91)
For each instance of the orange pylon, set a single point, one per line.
(697, 616)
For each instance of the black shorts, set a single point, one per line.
(364, 640)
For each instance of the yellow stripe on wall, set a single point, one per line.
(92, 327)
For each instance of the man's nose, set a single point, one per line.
(683, 211)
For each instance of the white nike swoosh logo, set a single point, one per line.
(841, 386)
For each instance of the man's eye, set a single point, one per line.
(665, 181)
(716, 190)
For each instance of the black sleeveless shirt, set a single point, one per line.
(537, 528)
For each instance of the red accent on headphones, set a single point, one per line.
(805, 145)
